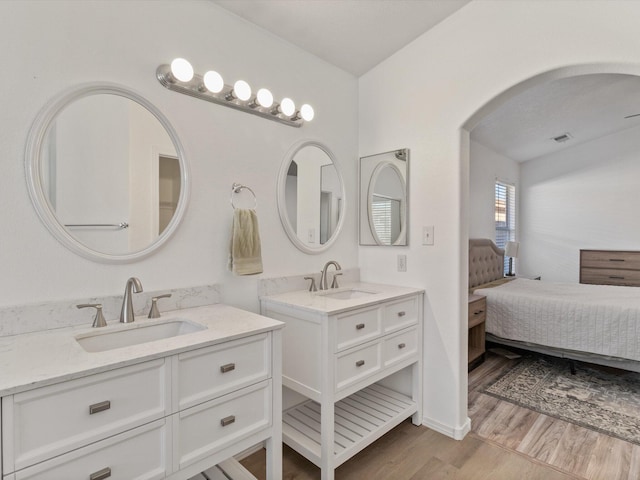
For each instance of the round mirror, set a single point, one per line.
(106, 173)
(311, 199)
(386, 197)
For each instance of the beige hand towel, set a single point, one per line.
(245, 256)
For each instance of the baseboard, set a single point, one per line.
(457, 433)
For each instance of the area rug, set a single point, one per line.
(605, 400)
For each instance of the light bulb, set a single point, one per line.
(213, 81)
(287, 107)
(264, 98)
(242, 90)
(307, 113)
(181, 69)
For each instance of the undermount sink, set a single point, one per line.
(347, 294)
(136, 334)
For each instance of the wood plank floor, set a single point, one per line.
(507, 442)
(568, 447)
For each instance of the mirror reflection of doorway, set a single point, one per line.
(168, 190)
(325, 216)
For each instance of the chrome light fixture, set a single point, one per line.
(180, 77)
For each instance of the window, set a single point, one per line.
(505, 209)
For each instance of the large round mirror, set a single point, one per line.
(311, 199)
(106, 173)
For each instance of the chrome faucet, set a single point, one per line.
(133, 286)
(323, 276)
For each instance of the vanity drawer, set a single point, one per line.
(138, 454)
(400, 346)
(399, 315)
(356, 328)
(355, 365)
(42, 423)
(207, 373)
(204, 429)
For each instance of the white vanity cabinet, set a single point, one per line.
(165, 418)
(337, 354)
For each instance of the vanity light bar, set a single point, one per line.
(180, 77)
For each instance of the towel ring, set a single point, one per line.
(236, 188)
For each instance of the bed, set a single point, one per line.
(593, 323)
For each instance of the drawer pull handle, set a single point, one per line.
(616, 259)
(401, 345)
(359, 363)
(228, 420)
(228, 367)
(402, 314)
(100, 474)
(99, 407)
(360, 326)
(478, 312)
(616, 277)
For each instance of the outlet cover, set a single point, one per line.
(402, 263)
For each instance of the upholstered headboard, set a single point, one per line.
(486, 262)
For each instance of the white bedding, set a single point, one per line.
(600, 319)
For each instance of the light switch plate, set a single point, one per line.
(427, 235)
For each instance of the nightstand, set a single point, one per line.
(477, 317)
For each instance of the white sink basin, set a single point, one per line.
(347, 294)
(136, 334)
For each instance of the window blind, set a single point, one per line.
(505, 216)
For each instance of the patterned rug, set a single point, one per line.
(605, 400)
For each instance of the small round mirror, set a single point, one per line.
(106, 173)
(386, 209)
(311, 199)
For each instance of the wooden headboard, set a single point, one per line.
(486, 262)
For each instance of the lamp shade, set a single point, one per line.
(511, 249)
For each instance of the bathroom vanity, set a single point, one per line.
(107, 403)
(339, 347)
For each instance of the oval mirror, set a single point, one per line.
(106, 173)
(311, 198)
(383, 198)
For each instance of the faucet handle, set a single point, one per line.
(334, 283)
(154, 312)
(312, 287)
(99, 320)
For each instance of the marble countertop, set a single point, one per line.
(323, 302)
(41, 358)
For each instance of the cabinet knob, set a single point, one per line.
(228, 420)
(99, 407)
(401, 345)
(478, 312)
(100, 474)
(360, 326)
(402, 314)
(228, 367)
(359, 363)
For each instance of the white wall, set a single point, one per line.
(424, 95)
(584, 197)
(485, 167)
(53, 45)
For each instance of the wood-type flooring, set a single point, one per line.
(507, 442)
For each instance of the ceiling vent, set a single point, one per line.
(562, 138)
